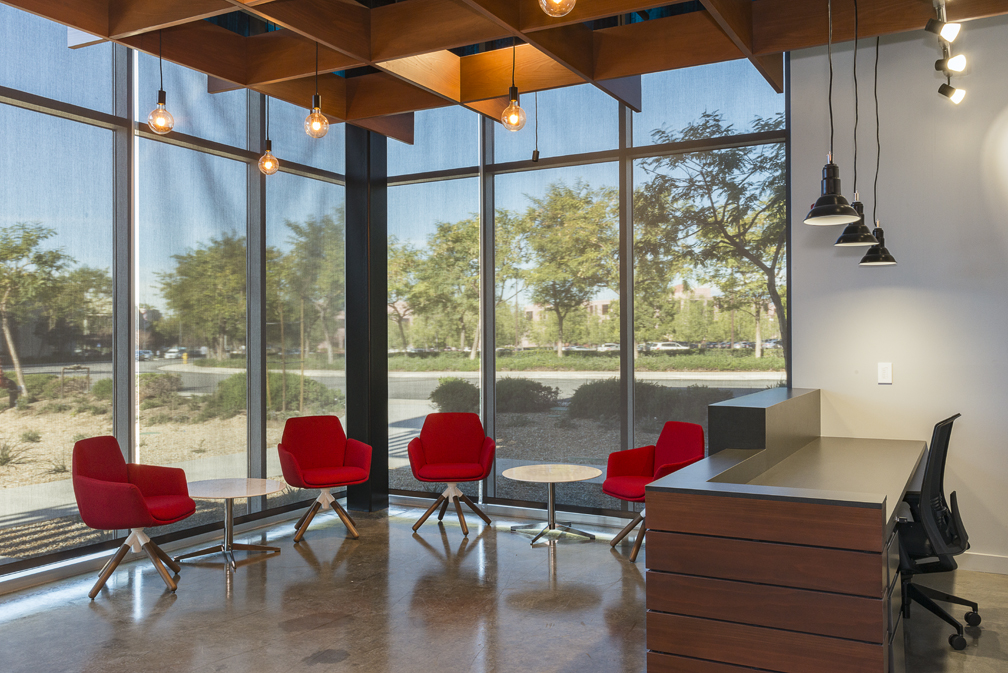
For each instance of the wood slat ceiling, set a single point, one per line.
(408, 44)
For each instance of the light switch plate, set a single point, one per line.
(885, 373)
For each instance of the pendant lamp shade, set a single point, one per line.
(856, 234)
(878, 255)
(831, 208)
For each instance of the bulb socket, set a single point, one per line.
(269, 145)
(316, 101)
(161, 97)
(513, 93)
(830, 179)
(535, 156)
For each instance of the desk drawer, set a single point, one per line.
(892, 559)
(834, 570)
(758, 647)
(827, 614)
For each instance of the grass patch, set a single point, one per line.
(547, 361)
(31, 437)
(12, 454)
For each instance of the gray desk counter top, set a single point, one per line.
(828, 470)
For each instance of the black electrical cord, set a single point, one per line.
(267, 117)
(160, 65)
(855, 95)
(829, 51)
(514, 43)
(878, 137)
(316, 68)
(535, 154)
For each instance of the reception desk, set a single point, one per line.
(781, 558)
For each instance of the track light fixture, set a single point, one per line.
(160, 120)
(878, 254)
(831, 207)
(315, 124)
(946, 31)
(950, 64)
(513, 117)
(268, 164)
(557, 8)
(953, 94)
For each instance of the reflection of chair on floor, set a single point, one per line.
(451, 448)
(449, 592)
(324, 569)
(678, 445)
(112, 495)
(315, 453)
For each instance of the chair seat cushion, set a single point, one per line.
(328, 477)
(626, 488)
(170, 508)
(450, 472)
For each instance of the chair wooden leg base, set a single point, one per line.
(136, 541)
(167, 560)
(461, 518)
(308, 519)
(444, 508)
(426, 515)
(347, 521)
(640, 540)
(626, 530)
(476, 509)
(156, 561)
(107, 571)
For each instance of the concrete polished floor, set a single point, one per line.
(394, 601)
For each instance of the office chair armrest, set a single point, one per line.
(960, 528)
(290, 467)
(358, 454)
(416, 455)
(637, 462)
(912, 499)
(106, 505)
(487, 453)
(669, 468)
(157, 480)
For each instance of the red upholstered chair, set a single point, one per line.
(678, 445)
(451, 448)
(112, 495)
(315, 453)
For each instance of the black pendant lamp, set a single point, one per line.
(856, 234)
(831, 208)
(878, 254)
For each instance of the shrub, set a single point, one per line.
(231, 396)
(653, 403)
(595, 399)
(12, 454)
(102, 389)
(159, 385)
(31, 437)
(455, 395)
(522, 396)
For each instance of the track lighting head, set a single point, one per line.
(946, 31)
(953, 94)
(951, 64)
(856, 234)
(878, 255)
(831, 208)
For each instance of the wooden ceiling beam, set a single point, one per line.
(533, 18)
(488, 75)
(299, 92)
(133, 17)
(281, 54)
(91, 16)
(438, 72)
(200, 45)
(424, 26)
(342, 26)
(399, 127)
(735, 19)
(380, 94)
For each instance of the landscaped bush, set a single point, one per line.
(102, 389)
(595, 399)
(653, 403)
(522, 396)
(231, 396)
(455, 395)
(161, 386)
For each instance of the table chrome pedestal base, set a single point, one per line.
(228, 546)
(551, 524)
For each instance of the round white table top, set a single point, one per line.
(551, 474)
(222, 489)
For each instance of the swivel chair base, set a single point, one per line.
(325, 500)
(926, 597)
(452, 494)
(136, 541)
(639, 519)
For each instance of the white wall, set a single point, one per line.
(941, 315)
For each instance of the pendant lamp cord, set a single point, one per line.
(514, 43)
(878, 136)
(160, 66)
(829, 51)
(267, 117)
(316, 68)
(855, 95)
(536, 97)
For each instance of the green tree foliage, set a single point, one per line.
(28, 277)
(573, 246)
(207, 288)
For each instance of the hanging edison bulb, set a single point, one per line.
(557, 8)
(160, 120)
(315, 124)
(268, 164)
(513, 117)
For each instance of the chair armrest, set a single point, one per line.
(107, 505)
(637, 462)
(156, 480)
(358, 454)
(669, 468)
(290, 467)
(416, 456)
(487, 456)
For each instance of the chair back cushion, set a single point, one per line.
(315, 441)
(99, 458)
(452, 438)
(678, 443)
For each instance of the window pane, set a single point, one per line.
(433, 286)
(557, 327)
(220, 117)
(291, 143)
(571, 121)
(709, 321)
(305, 310)
(34, 57)
(443, 138)
(59, 315)
(191, 300)
(733, 90)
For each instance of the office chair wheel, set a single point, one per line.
(957, 642)
(972, 618)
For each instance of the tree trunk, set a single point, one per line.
(517, 322)
(782, 321)
(759, 337)
(13, 353)
(402, 333)
(301, 401)
(325, 334)
(283, 363)
(476, 342)
(559, 335)
(733, 329)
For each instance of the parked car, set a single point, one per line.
(143, 355)
(743, 344)
(608, 348)
(577, 349)
(175, 353)
(667, 346)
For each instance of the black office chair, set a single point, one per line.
(928, 543)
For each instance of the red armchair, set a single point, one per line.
(315, 453)
(451, 448)
(112, 495)
(678, 445)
